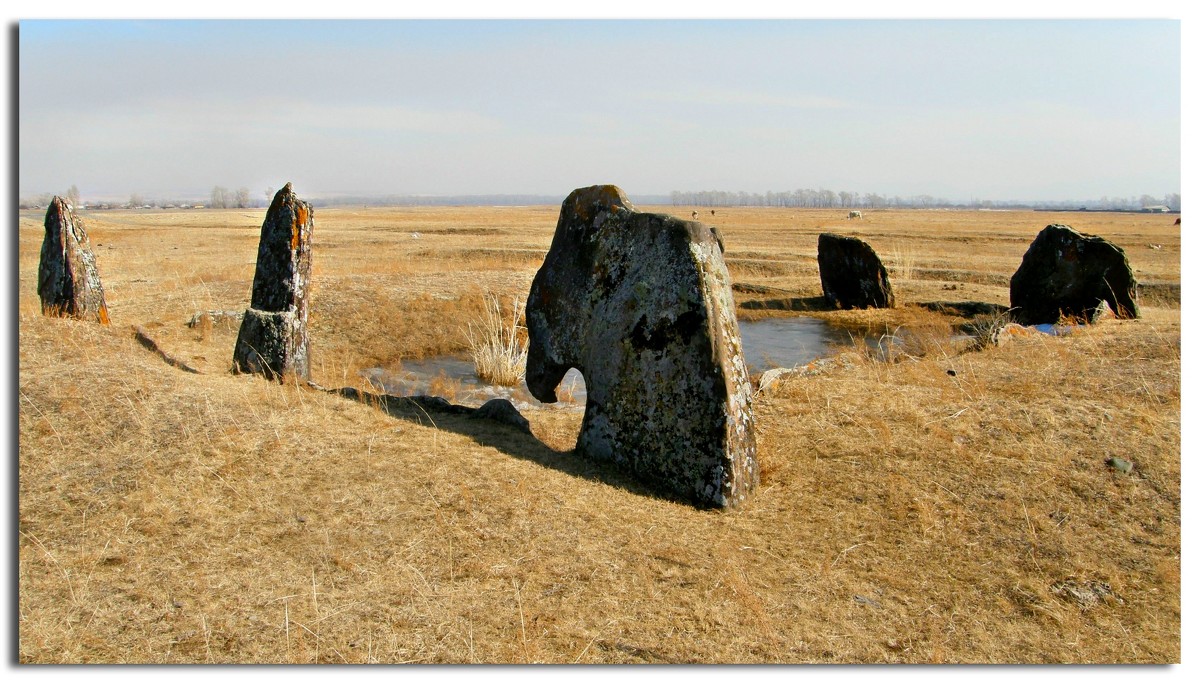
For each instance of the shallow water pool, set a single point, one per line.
(768, 343)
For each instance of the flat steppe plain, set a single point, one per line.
(905, 514)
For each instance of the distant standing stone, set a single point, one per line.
(273, 339)
(852, 276)
(68, 281)
(641, 304)
(1068, 274)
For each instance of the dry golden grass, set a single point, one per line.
(905, 514)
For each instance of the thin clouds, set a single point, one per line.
(955, 109)
(726, 97)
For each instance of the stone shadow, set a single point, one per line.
(503, 434)
(963, 309)
(798, 303)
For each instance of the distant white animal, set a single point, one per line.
(1156, 246)
(855, 214)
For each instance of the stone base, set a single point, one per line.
(272, 344)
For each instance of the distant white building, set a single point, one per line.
(1157, 208)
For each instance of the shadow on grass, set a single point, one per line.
(798, 303)
(506, 431)
(963, 309)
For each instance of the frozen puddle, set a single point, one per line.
(454, 379)
(787, 342)
(769, 343)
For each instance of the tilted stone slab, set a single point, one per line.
(273, 338)
(852, 276)
(1067, 274)
(68, 280)
(641, 304)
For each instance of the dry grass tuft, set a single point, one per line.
(903, 262)
(499, 344)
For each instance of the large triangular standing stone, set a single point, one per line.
(1066, 274)
(273, 339)
(68, 281)
(641, 304)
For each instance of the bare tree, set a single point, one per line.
(241, 198)
(73, 197)
(218, 198)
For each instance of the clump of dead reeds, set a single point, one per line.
(985, 330)
(903, 260)
(499, 343)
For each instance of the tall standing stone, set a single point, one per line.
(1069, 274)
(852, 276)
(68, 281)
(641, 304)
(273, 339)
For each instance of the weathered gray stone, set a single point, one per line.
(773, 375)
(641, 304)
(503, 411)
(1066, 274)
(273, 339)
(852, 276)
(1120, 464)
(68, 281)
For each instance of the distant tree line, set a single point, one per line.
(219, 198)
(224, 198)
(829, 199)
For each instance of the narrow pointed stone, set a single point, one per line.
(273, 339)
(68, 281)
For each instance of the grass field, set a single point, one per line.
(906, 514)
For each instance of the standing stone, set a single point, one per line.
(273, 339)
(68, 281)
(1068, 274)
(641, 304)
(852, 276)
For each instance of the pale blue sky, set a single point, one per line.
(962, 109)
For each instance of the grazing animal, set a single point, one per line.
(855, 214)
(1177, 221)
(695, 214)
(714, 212)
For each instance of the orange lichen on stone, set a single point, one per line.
(103, 314)
(298, 225)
